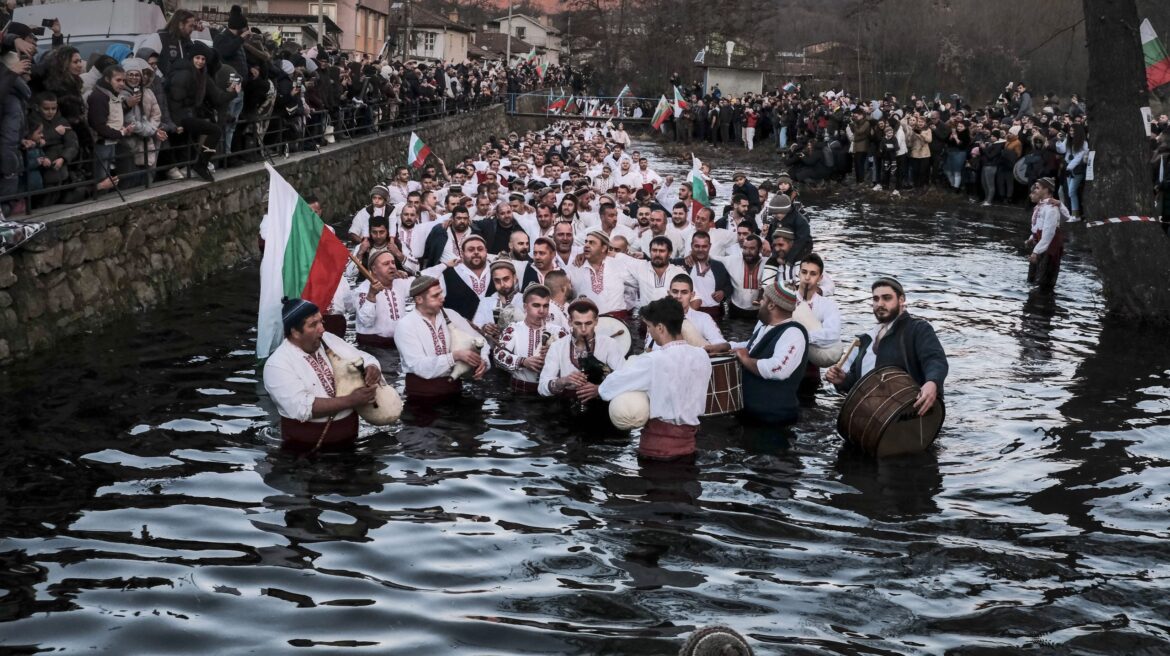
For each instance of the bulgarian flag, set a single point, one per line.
(1157, 61)
(661, 113)
(302, 259)
(531, 56)
(699, 197)
(791, 86)
(622, 93)
(557, 104)
(679, 103)
(417, 151)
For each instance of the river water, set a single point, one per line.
(145, 507)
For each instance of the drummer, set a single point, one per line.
(773, 360)
(299, 377)
(674, 376)
(898, 340)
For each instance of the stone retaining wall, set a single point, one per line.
(98, 261)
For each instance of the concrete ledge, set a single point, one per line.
(99, 260)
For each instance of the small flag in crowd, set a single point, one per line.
(623, 92)
(531, 56)
(557, 104)
(302, 259)
(661, 113)
(679, 103)
(699, 197)
(790, 87)
(700, 56)
(1157, 61)
(417, 151)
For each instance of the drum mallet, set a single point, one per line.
(852, 345)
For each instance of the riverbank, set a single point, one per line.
(97, 262)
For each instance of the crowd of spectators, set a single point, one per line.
(991, 152)
(74, 129)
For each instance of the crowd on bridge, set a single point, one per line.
(179, 107)
(586, 277)
(991, 153)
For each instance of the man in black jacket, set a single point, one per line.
(898, 340)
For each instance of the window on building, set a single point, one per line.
(328, 8)
(429, 42)
(520, 31)
(290, 36)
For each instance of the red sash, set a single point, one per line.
(375, 341)
(303, 435)
(1055, 248)
(419, 388)
(664, 441)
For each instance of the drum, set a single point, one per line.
(725, 391)
(879, 417)
(617, 331)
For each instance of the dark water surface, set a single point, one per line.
(145, 508)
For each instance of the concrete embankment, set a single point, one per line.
(99, 261)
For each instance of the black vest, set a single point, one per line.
(774, 401)
(460, 296)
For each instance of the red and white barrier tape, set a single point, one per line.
(1121, 219)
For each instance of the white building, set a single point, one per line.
(537, 31)
(432, 37)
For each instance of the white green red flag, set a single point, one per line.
(699, 197)
(1157, 60)
(417, 151)
(679, 103)
(531, 56)
(622, 93)
(302, 259)
(557, 104)
(661, 113)
(791, 86)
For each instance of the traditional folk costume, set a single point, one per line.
(826, 312)
(519, 341)
(426, 349)
(781, 352)
(1049, 239)
(377, 319)
(294, 379)
(675, 377)
(745, 281)
(604, 284)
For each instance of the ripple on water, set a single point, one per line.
(148, 513)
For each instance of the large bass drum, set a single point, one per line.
(879, 416)
(725, 390)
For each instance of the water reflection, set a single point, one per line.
(144, 506)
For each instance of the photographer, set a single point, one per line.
(229, 46)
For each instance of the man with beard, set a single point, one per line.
(543, 260)
(497, 231)
(745, 273)
(523, 345)
(773, 360)
(711, 282)
(611, 227)
(561, 291)
(652, 276)
(377, 240)
(409, 240)
(659, 227)
(601, 278)
(740, 212)
(299, 377)
(381, 302)
(424, 342)
(545, 222)
(445, 240)
(898, 340)
(783, 214)
(465, 281)
(723, 241)
(497, 311)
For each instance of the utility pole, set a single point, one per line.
(409, 31)
(569, 41)
(508, 56)
(321, 26)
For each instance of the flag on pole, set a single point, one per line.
(679, 103)
(557, 104)
(541, 67)
(1157, 61)
(791, 86)
(531, 56)
(661, 113)
(572, 104)
(417, 152)
(622, 93)
(699, 197)
(700, 56)
(302, 259)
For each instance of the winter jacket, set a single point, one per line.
(105, 114)
(859, 135)
(919, 143)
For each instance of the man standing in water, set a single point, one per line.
(773, 359)
(300, 379)
(1047, 240)
(898, 340)
(674, 376)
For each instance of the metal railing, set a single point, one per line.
(266, 137)
(555, 102)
